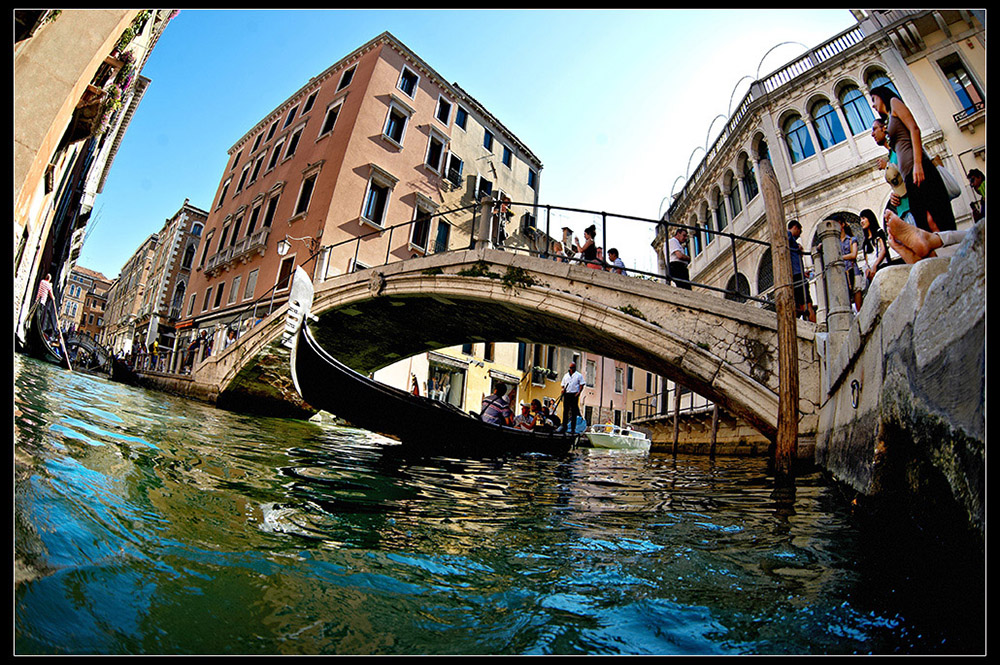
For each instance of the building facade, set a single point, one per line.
(125, 298)
(84, 301)
(163, 297)
(813, 119)
(76, 85)
(376, 159)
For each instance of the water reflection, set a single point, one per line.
(150, 524)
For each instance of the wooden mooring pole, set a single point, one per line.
(784, 298)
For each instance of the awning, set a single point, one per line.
(447, 361)
(504, 376)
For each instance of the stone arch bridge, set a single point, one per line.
(723, 350)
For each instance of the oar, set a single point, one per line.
(62, 342)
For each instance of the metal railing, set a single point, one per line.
(667, 404)
(528, 239)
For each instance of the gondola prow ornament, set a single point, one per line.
(300, 300)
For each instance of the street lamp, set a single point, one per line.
(284, 244)
(282, 248)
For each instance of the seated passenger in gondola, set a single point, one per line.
(550, 417)
(525, 419)
(496, 410)
(541, 423)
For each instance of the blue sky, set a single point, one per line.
(612, 102)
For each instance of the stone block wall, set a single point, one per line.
(903, 423)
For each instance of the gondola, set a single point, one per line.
(417, 422)
(41, 346)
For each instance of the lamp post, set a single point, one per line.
(282, 248)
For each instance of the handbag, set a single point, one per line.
(950, 184)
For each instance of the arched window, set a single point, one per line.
(733, 194)
(877, 78)
(706, 217)
(178, 301)
(763, 152)
(188, 257)
(765, 274)
(827, 125)
(721, 219)
(857, 110)
(797, 138)
(738, 288)
(695, 239)
(749, 180)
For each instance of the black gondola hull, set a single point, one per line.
(326, 383)
(35, 343)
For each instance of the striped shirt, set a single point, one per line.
(44, 291)
(495, 410)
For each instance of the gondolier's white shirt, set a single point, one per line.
(573, 383)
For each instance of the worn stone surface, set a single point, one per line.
(904, 422)
(265, 387)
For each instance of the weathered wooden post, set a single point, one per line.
(715, 430)
(784, 298)
(677, 409)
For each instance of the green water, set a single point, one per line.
(147, 524)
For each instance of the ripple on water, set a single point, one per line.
(145, 523)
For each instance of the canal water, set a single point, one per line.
(149, 524)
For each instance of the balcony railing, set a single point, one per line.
(967, 113)
(786, 74)
(257, 241)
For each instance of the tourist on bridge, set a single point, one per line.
(978, 183)
(800, 278)
(678, 260)
(617, 265)
(588, 250)
(930, 202)
(572, 384)
(496, 409)
(874, 247)
(898, 200)
(849, 253)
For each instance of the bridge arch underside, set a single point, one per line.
(414, 314)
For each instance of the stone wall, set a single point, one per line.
(694, 435)
(904, 420)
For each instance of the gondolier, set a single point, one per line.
(45, 290)
(572, 383)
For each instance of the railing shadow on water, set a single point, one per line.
(613, 230)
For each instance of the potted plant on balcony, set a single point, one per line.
(111, 103)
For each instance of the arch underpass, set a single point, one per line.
(722, 350)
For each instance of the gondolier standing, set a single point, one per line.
(45, 290)
(572, 383)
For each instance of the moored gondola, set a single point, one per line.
(418, 422)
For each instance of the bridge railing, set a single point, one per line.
(546, 231)
(670, 401)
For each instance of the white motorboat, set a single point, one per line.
(613, 436)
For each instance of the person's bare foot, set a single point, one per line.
(920, 243)
(904, 252)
